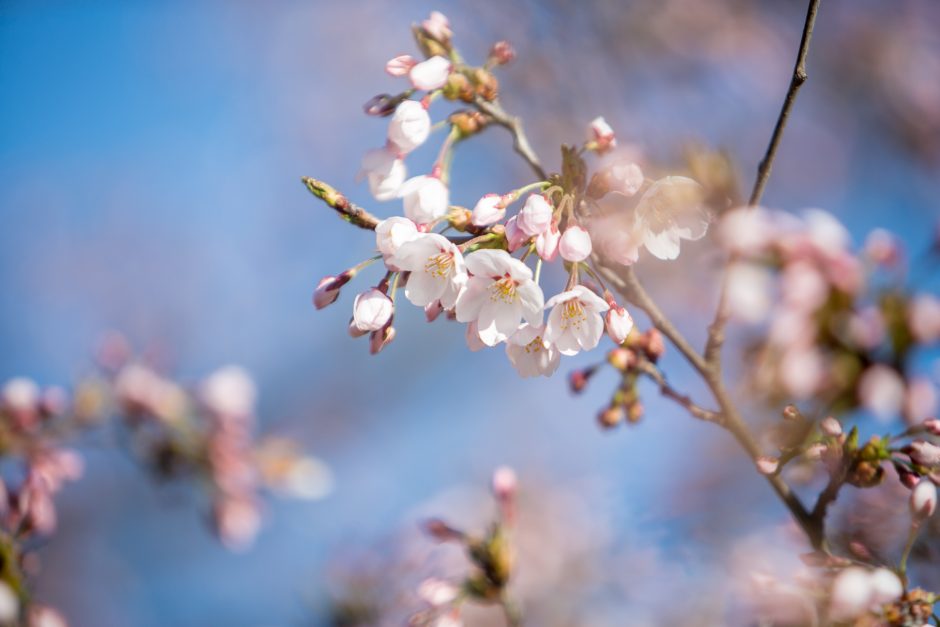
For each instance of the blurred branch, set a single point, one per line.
(520, 142)
(348, 211)
(684, 400)
(716, 331)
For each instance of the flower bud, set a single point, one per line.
(229, 391)
(515, 236)
(908, 479)
(655, 345)
(431, 74)
(433, 310)
(441, 531)
(932, 425)
(578, 379)
(611, 416)
(354, 331)
(815, 451)
(487, 87)
(923, 499)
(392, 233)
(437, 592)
(384, 171)
(437, 26)
(924, 453)
(575, 244)
(535, 216)
(619, 323)
(381, 105)
(767, 465)
(547, 242)
(505, 485)
(426, 199)
(791, 412)
(468, 122)
(328, 289)
(502, 53)
(372, 309)
(621, 358)
(20, 395)
(400, 65)
(488, 210)
(885, 586)
(381, 338)
(602, 135)
(458, 86)
(831, 427)
(635, 411)
(409, 126)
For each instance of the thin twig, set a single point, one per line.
(684, 400)
(520, 142)
(348, 211)
(716, 331)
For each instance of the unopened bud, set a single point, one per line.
(381, 105)
(354, 331)
(381, 338)
(458, 87)
(815, 451)
(611, 417)
(655, 345)
(578, 379)
(932, 425)
(441, 531)
(621, 358)
(487, 86)
(767, 465)
(502, 53)
(831, 427)
(635, 412)
(908, 479)
(468, 122)
(433, 310)
(790, 412)
(328, 289)
(924, 453)
(505, 485)
(923, 499)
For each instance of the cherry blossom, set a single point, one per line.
(575, 244)
(437, 268)
(437, 26)
(499, 294)
(602, 134)
(392, 233)
(535, 216)
(924, 499)
(229, 391)
(426, 199)
(488, 210)
(881, 390)
(372, 309)
(410, 126)
(669, 212)
(546, 244)
(924, 318)
(618, 322)
(530, 354)
(431, 74)
(575, 322)
(400, 65)
(385, 172)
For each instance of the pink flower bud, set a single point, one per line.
(851, 594)
(767, 465)
(815, 451)
(238, 521)
(488, 210)
(578, 379)
(426, 199)
(882, 248)
(437, 26)
(441, 531)
(433, 310)
(602, 134)
(354, 331)
(546, 244)
(881, 391)
(831, 427)
(505, 485)
(619, 323)
(575, 244)
(431, 74)
(924, 453)
(381, 338)
(535, 216)
(372, 309)
(381, 105)
(328, 289)
(515, 236)
(437, 593)
(923, 499)
(932, 425)
(502, 53)
(409, 126)
(923, 318)
(885, 586)
(400, 65)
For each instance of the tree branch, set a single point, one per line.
(520, 142)
(684, 400)
(716, 331)
(348, 211)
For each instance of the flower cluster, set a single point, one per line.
(484, 278)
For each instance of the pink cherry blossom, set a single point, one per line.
(384, 171)
(801, 371)
(625, 177)
(924, 499)
(499, 294)
(229, 391)
(924, 318)
(488, 210)
(515, 237)
(546, 243)
(426, 199)
(391, 234)
(767, 465)
(669, 212)
(575, 322)
(602, 134)
(400, 65)
(238, 521)
(535, 216)
(372, 309)
(437, 268)
(20, 395)
(749, 291)
(431, 74)
(830, 426)
(378, 340)
(925, 453)
(881, 391)
(920, 400)
(437, 592)
(575, 244)
(530, 354)
(882, 247)
(474, 343)
(410, 126)
(803, 287)
(437, 26)
(619, 323)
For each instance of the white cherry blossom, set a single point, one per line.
(372, 309)
(430, 74)
(437, 270)
(410, 126)
(530, 354)
(426, 199)
(535, 216)
(392, 233)
(575, 244)
(575, 322)
(488, 210)
(669, 212)
(385, 171)
(499, 294)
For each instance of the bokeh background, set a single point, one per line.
(150, 155)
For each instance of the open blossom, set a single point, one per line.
(749, 291)
(924, 499)
(625, 178)
(535, 216)
(426, 199)
(431, 74)
(546, 244)
(530, 354)
(619, 323)
(575, 322)
(437, 270)
(602, 134)
(437, 26)
(392, 233)
(20, 394)
(924, 318)
(385, 171)
(856, 590)
(372, 309)
(410, 126)
(575, 244)
(881, 391)
(920, 400)
(437, 592)
(229, 391)
(488, 210)
(499, 294)
(669, 212)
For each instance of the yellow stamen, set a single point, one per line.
(572, 315)
(503, 289)
(440, 266)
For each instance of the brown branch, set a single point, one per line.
(520, 142)
(697, 411)
(716, 331)
(348, 211)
